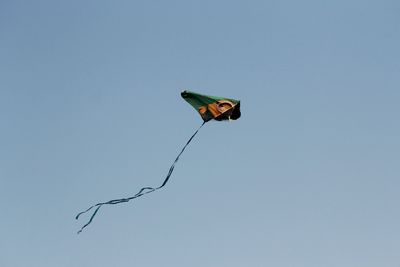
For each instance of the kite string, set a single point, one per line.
(141, 192)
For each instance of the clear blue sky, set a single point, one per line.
(90, 110)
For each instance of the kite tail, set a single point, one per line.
(143, 191)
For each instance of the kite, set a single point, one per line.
(209, 108)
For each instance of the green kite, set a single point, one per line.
(213, 107)
(209, 108)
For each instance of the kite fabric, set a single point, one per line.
(213, 107)
(209, 107)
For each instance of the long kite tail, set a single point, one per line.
(143, 191)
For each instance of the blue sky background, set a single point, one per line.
(90, 111)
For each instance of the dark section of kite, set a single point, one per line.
(209, 108)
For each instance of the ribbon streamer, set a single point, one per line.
(143, 191)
